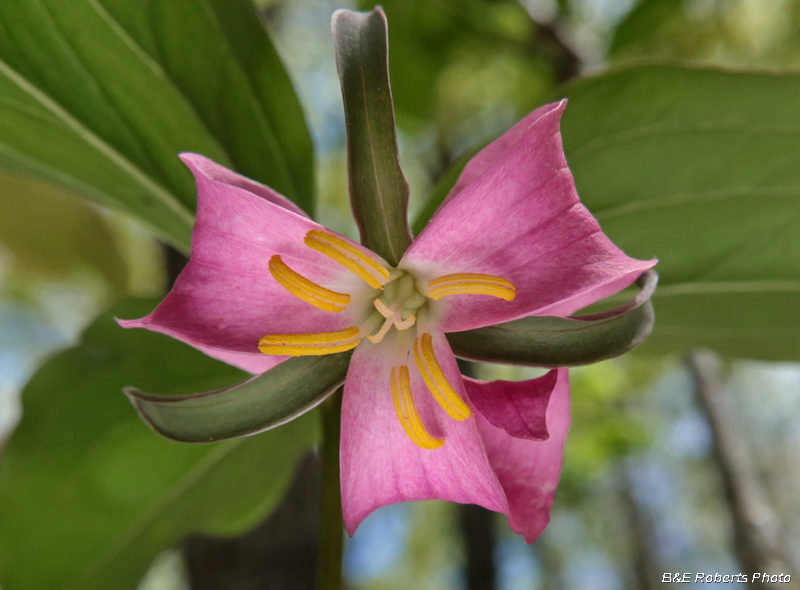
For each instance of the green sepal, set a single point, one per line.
(275, 397)
(378, 188)
(544, 341)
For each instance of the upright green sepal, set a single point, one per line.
(378, 187)
(273, 398)
(544, 341)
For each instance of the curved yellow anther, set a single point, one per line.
(337, 249)
(436, 381)
(471, 284)
(407, 411)
(310, 344)
(307, 290)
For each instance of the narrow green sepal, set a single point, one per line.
(258, 404)
(378, 188)
(543, 341)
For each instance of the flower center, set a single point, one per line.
(401, 303)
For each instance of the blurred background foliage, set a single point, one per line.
(640, 490)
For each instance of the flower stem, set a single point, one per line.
(329, 570)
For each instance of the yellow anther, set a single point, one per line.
(335, 248)
(310, 344)
(407, 411)
(471, 284)
(472, 289)
(307, 290)
(436, 381)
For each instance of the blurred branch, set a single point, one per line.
(279, 554)
(758, 542)
(478, 533)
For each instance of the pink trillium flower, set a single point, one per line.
(512, 239)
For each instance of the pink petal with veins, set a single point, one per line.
(521, 220)
(226, 298)
(380, 464)
(528, 470)
(518, 407)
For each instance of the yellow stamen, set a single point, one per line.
(310, 344)
(471, 284)
(436, 381)
(348, 256)
(307, 290)
(472, 289)
(407, 411)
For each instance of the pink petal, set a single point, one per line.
(529, 470)
(484, 159)
(226, 298)
(520, 219)
(518, 407)
(380, 465)
(252, 363)
(223, 175)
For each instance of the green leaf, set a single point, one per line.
(642, 24)
(698, 167)
(51, 232)
(543, 341)
(378, 187)
(277, 396)
(89, 495)
(100, 96)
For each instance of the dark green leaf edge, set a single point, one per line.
(544, 341)
(377, 185)
(271, 399)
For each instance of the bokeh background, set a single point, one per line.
(642, 491)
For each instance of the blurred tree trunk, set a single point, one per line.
(478, 533)
(279, 554)
(757, 537)
(647, 569)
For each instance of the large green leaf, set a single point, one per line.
(89, 494)
(100, 96)
(378, 188)
(699, 167)
(51, 232)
